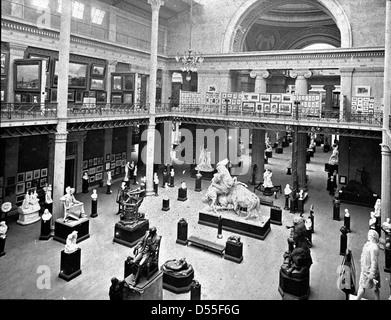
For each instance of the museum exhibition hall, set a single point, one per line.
(195, 150)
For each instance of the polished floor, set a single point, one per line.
(255, 278)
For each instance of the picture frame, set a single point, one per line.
(90, 162)
(4, 63)
(117, 170)
(123, 155)
(116, 82)
(116, 98)
(99, 169)
(259, 107)
(108, 157)
(79, 96)
(29, 176)
(266, 107)
(19, 199)
(42, 182)
(107, 166)
(20, 188)
(248, 106)
(264, 98)
(27, 75)
(92, 179)
(98, 176)
(98, 70)
(92, 170)
(28, 184)
(275, 98)
(285, 108)
(95, 162)
(342, 180)
(274, 107)
(71, 95)
(26, 97)
(20, 177)
(85, 164)
(112, 158)
(254, 97)
(363, 91)
(101, 96)
(128, 82)
(77, 74)
(118, 163)
(44, 172)
(37, 174)
(18, 97)
(286, 98)
(97, 84)
(112, 165)
(128, 97)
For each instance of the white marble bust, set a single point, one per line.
(3, 229)
(46, 215)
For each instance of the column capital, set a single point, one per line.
(300, 73)
(329, 87)
(385, 149)
(264, 73)
(60, 137)
(156, 4)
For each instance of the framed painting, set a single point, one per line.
(275, 98)
(264, 98)
(78, 96)
(123, 155)
(90, 162)
(77, 75)
(286, 98)
(26, 98)
(116, 82)
(27, 75)
(85, 164)
(108, 157)
(28, 184)
(128, 97)
(363, 91)
(248, 106)
(116, 98)
(29, 175)
(99, 169)
(274, 107)
(101, 96)
(95, 161)
(259, 107)
(19, 199)
(99, 176)
(254, 97)
(266, 107)
(20, 177)
(107, 166)
(342, 179)
(37, 174)
(98, 70)
(20, 188)
(42, 182)
(285, 108)
(71, 95)
(44, 172)
(92, 170)
(112, 165)
(53, 95)
(97, 84)
(128, 82)
(92, 178)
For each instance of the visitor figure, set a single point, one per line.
(108, 182)
(155, 183)
(127, 169)
(267, 179)
(85, 182)
(121, 196)
(370, 275)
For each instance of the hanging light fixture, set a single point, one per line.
(189, 59)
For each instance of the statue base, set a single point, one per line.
(131, 234)
(151, 289)
(276, 215)
(279, 150)
(206, 175)
(63, 229)
(182, 194)
(234, 251)
(28, 216)
(255, 228)
(70, 265)
(294, 286)
(2, 246)
(177, 283)
(45, 230)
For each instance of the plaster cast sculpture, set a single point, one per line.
(287, 190)
(267, 179)
(70, 245)
(204, 162)
(334, 158)
(46, 215)
(226, 192)
(3, 229)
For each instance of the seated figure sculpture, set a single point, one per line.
(71, 205)
(226, 192)
(70, 245)
(146, 253)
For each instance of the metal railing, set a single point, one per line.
(16, 111)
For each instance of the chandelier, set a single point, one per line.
(189, 59)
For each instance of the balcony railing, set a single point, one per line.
(17, 111)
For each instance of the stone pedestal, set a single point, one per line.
(178, 283)
(336, 209)
(293, 205)
(182, 232)
(63, 229)
(166, 204)
(198, 182)
(151, 289)
(300, 205)
(182, 194)
(346, 222)
(28, 216)
(171, 181)
(286, 203)
(94, 208)
(2, 246)
(156, 188)
(70, 265)
(129, 235)
(294, 287)
(276, 215)
(195, 291)
(233, 251)
(45, 229)
(343, 244)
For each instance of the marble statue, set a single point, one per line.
(267, 179)
(372, 220)
(386, 226)
(70, 245)
(48, 194)
(301, 194)
(333, 160)
(46, 215)
(3, 229)
(377, 208)
(30, 202)
(204, 161)
(155, 178)
(71, 204)
(226, 192)
(287, 190)
(108, 182)
(94, 195)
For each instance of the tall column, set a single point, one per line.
(385, 182)
(329, 97)
(260, 80)
(299, 156)
(62, 98)
(16, 52)
(155, 4)
(386, 144)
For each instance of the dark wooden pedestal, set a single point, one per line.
(45, 230)
(182, 194)
(130, 235)
(198, 182)
(182, 232)
(279, 150)
(234, 251)
(70, 265)
(269, 154)
(276, 215)
(63, 229)
(336, 210)
(177, 283)
(151, 289)
(2, 246)
(94, 208)
(293, 287)
(166, 204)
